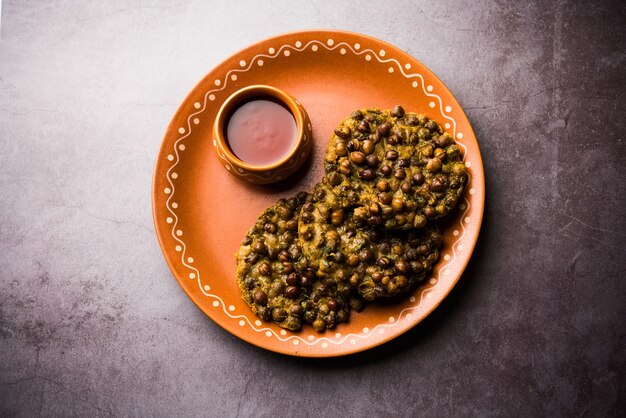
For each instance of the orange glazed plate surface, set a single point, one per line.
(202, 212)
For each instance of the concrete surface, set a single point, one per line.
(93, 324)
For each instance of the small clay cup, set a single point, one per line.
(279, 170)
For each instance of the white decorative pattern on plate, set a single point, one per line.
(283, 52)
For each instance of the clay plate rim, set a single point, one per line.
(477, 182)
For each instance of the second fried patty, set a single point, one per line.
(376, 262)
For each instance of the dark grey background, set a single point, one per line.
(92, 322)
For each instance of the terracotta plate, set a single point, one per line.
(201, 212)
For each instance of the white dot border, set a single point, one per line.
(329, 44)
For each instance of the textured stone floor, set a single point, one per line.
(92, 322)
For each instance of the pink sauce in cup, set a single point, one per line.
(261, 132)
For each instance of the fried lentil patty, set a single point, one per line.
(401, 168)
(277, 280)
(376, 262)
